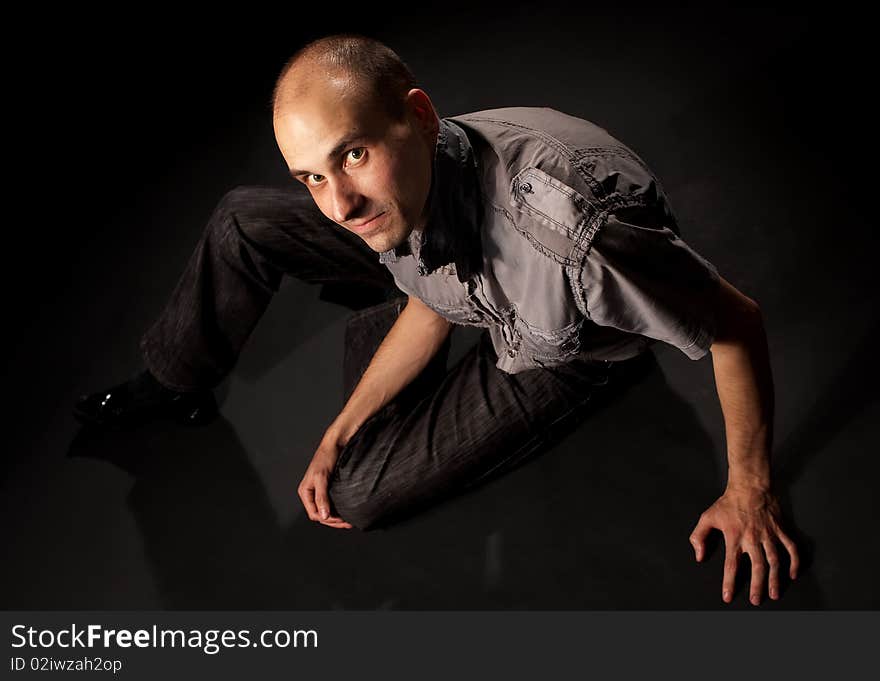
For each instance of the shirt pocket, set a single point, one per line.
(445, 295)
(556, 213)
(458, 313)
(457, 305)
(549, 347)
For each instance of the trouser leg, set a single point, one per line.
(254, 236)
(475, 423)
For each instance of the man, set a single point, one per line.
(537, 226)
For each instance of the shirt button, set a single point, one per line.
(525, 188)
(511, 353)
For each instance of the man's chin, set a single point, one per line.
(383, 241)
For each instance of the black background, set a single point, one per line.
(125, 131)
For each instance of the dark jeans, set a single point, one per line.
(449, 430)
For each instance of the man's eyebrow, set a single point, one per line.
(337, 149)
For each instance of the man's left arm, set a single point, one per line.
(747, 513)
(640, 277)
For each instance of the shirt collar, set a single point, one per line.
(452, 230)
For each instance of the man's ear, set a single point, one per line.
(422, 109)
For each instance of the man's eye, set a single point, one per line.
(357, 154)
(317, 179)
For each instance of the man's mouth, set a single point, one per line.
(370, 224)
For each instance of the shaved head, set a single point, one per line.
(356, 132)
(358, 68)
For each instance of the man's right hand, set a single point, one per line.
(313, 488)
(408, 347)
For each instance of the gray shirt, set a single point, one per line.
(556, 237)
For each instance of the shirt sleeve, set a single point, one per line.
(640, 277)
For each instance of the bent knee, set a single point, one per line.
(355, 503)
(239, 207)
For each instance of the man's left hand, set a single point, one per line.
(749, 518)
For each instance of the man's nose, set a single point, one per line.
(347, 202)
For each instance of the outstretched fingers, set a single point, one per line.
(698, 536)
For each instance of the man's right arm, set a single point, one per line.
(409, 345)
(407, 348)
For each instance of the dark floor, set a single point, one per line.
(755, 120)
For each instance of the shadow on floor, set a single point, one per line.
(599, 521)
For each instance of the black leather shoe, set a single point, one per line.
(143, 398)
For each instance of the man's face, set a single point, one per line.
(366, 172)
